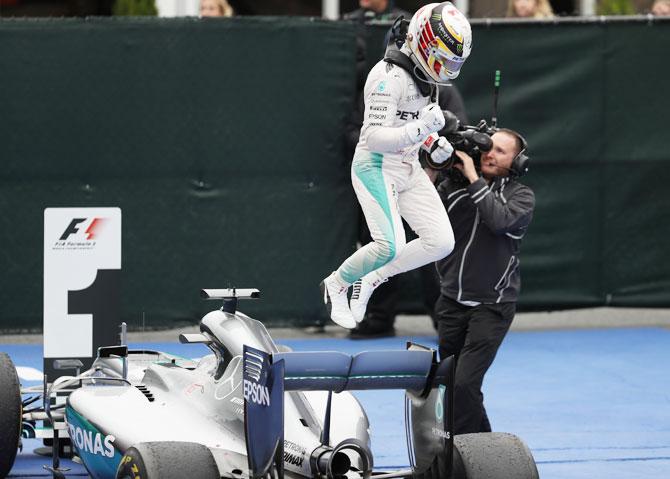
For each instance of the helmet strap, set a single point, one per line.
(425, 83)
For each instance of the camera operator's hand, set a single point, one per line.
(431, 120)
(466, 166)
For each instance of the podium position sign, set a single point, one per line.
(82, 273)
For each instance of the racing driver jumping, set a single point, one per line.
(401, 116)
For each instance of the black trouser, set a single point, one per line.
(473, 335)
(382, 305)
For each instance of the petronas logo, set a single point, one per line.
(459, 49)
(436, 16)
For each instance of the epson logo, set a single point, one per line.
(92, 443)
(256, 393)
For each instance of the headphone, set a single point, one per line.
(521, 161)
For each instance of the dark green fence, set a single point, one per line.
(590, 99)
(222, 142)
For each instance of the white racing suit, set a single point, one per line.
(390, 183)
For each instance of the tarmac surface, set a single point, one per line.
(587, 390)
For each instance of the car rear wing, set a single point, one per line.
(428, 404)
(230, 296)
(337, 372)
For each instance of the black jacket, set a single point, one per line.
(489, 222)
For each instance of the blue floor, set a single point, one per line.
(590, 404)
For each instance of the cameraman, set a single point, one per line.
(490, 211)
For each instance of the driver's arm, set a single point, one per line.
(383, 92)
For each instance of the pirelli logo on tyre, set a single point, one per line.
(128, 468)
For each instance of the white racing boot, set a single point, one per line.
(335, 299)
(361, 293)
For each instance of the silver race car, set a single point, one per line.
(249, 410)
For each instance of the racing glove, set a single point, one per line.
(431, 119)
(439, 152)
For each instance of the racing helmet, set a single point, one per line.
(440, 40)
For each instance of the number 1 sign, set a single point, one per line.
(82, 270)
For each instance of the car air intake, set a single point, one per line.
(145, 390)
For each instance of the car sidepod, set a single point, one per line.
(95, 448)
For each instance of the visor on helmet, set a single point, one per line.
(447, 66)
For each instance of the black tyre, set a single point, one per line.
(10, 414)
(492, 455)
(168, 460)
(485, 456)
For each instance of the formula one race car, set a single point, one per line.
(250, 410)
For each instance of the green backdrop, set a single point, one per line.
(588, 98)
(222, 143)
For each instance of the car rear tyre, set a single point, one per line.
(10, 414)
(492, 455)
(168, 460)
(485, 456)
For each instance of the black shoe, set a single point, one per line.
(372, 330)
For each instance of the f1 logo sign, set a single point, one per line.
(82, 269)
(74, 228)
